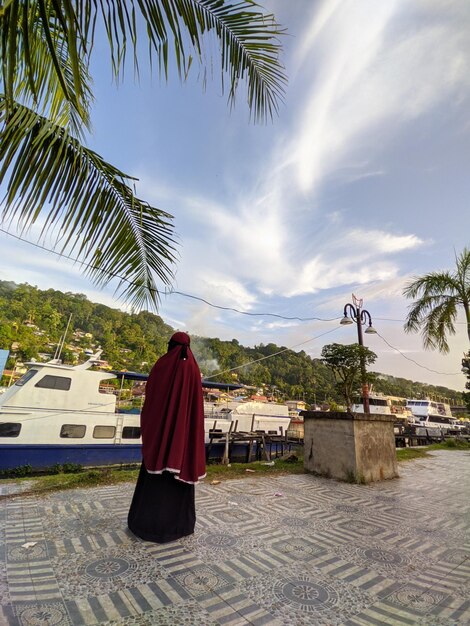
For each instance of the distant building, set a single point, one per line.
(258, 398)
(103, 365)
(459, 410)
(296, 405)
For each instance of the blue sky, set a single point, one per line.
(359, 183)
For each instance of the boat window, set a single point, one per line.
(9, 429)
(54, 382)
(73, 431)
(104, 432)
(376, 402)
(107, 388)
(131, 432)
(24, 379)
(441, 420)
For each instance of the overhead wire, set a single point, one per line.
(166, 291)
(228, 308)
(106, 414)
(416, 362)
(391, 319)
(169, 291)
(224, 308)
(233, 369)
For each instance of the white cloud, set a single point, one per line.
(375, 63)
(368, 243)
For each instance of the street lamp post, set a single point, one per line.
(355, 313)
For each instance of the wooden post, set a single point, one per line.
(225, 458)
(250, 449)
(266, 452)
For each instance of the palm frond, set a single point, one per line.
(86, 202)
(248, 39)
(432, 284)
(463, 272)
(44, 64)
(438, 296)
(438, 324)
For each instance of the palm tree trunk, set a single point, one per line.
(466, 306)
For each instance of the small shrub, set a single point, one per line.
(71, 468)
(93, 474)
(17, 472)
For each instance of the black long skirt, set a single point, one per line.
(162, 509)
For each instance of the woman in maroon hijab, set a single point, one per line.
(172, 427)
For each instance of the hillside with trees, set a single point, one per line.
(32, 322)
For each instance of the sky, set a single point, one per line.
(359, 184)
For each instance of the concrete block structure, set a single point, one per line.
(350, 446)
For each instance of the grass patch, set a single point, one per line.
(451, 444)
(258, 468)
(70, 478)
(408, 454)
(113, 475)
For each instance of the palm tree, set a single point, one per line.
(51, 177)
(440, 296)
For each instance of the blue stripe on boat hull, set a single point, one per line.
(45, 456)
(42, 456)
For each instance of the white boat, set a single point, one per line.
(432, 414)
(377, 404)
(248, 417)
(59, 414)
(385, 405)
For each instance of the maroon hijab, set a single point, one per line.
(172, 419)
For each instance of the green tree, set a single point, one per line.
(45, 100)
(345, 362)
(439, 298)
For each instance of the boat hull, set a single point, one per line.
(45, 456)
(60, 414)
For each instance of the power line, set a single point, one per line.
(224, 308)
(415, 362)
(165, 291)
(227, 308)
(390, 319)
(87, 411)
(271, 355)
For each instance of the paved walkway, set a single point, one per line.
(292, 550)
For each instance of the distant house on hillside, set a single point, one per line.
(103, 365)
(296, 405)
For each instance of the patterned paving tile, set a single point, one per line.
(200, 580)
(212, 545)
(50, 613)
(187, 614)
(127, 602)
(289, 550)
(109, 569)
(295, 595)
